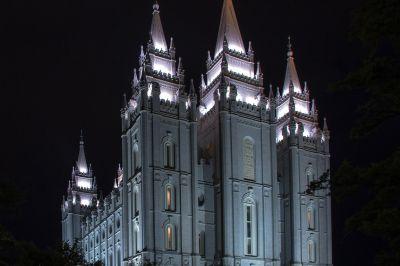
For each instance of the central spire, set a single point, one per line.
(229, 29)
(81, 163)
(157, 32)
(291, 72)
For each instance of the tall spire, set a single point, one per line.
(81, 164)
(157, 32)
(291, 73)
(229, 27)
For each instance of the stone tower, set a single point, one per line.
(82, 194)
(303, 157)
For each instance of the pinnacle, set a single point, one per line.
(290, 51)
(229, 29)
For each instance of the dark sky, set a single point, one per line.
(65, 65)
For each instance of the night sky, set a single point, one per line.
(65, 65)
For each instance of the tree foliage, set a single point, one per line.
(377, 27)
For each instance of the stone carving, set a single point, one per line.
(248, 159)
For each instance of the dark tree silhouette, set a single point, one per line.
(377, 27)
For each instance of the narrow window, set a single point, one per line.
(119, 257)
(110, 262)
(169, 197)
(135, 158)
(135, 238)
(310, 218)
(169, 237)
(309, 175)
(169, 156)
(250, 237)
(135, 205)
(202, 245)
(311, 251)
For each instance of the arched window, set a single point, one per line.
(250, 227)
(309, 174)
(169, 197)
(135, 157)
(248, 159)
(310, 217)
(135, 201)
(169, 154)
(135, 237)
(311, 250)
(169, 237)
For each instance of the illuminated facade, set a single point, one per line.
(219, 179)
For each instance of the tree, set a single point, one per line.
(377, 27)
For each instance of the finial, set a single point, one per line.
(258, 69)
(278, 93)
(156, 7)
(271, 92)
(209, 56)
(325, 125)
(250, 50)
(142, 56)
(305, 87)
(312, 106)
(180, 65)
(135, 80)
(290, 51)
(125, 102)
(171, 44)
(203, 83)
(192, 89)
(292, 107)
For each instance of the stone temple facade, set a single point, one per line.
(213, 175)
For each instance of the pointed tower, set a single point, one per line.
(159, 151)
(301, 102)
(303, 157)
(237, 135)
(82, 193)
(158, 62)
(231, 61)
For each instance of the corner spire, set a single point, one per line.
(81, 164)
(157, 32)
(229, 28)
(291, 72)
(135, 80)
(192, 90)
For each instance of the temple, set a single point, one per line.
(218, 173)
